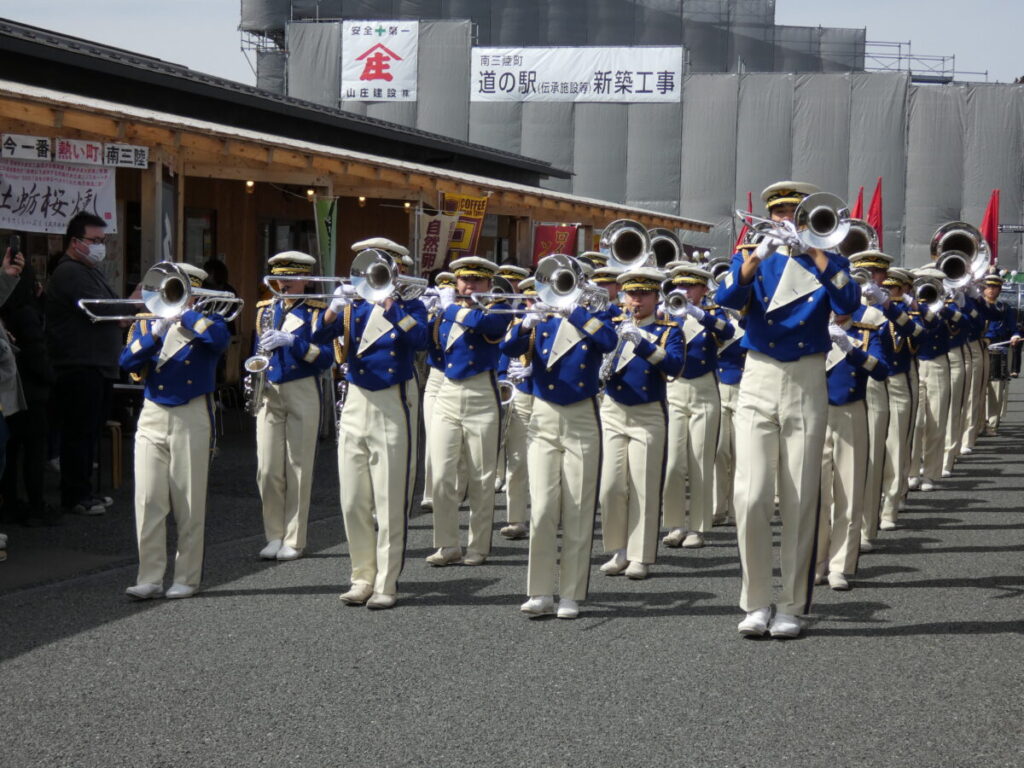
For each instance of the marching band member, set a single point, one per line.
(608, 278)
(517, 486)
(564, 450)
(856, 354)
(596, 259)
(465, 421)
(514, 275)
(693, 414)
(997, 330)
(435, 375)
(731, 357)
(961, 307)
(976, 362)
(375, 436)
(782, 410)
(933, 393)
(634, 421)
(177, 357)
(905, 335)
(288, 417)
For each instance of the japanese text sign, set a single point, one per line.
(42, 197)
(436, 232)
(554, 238)
(466, 233)
(378, 60)
(625, 75)
(25, 147)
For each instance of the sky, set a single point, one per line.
(203, 35)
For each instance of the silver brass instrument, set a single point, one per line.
(718, 267)
(254, 385)
(342, 395)
(612, 358)
(674, 299)
(930, 292)
(501, 291)
(665, 246)
(166, 292)
(863, 277)
(561, 282)
(375, 276)
(331, 281)
(961, 253)
(822, 221)
(627, 244)
(861, 237)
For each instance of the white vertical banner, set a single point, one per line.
(607, 74)
(435, 235)
(378, 60)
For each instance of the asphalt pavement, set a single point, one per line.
(919, 664)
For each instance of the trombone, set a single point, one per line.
(330, 281)
(820, 221)
(929, 291)
(375, 277)
(166, 292)
(863, 277)
(560, 282)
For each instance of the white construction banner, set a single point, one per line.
(378, 60)
(42, 197)
(624, 75)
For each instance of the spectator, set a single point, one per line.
(84, 357)
(10, 271)
(23, 317)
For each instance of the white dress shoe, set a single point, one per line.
(473, 558)
(270, 551)
(966, 450)
(866, 546)
(902, 507)
(427, 505)
(379, 602)
(357, 594)
(637, 570)
(838, 582)
(887, 525)
(514, 531)
(755, 624)
(785, 625)
(693, 540)
(945, 473)
(674, 537)
(927, 485)
(617, 564)
(539, 606)
(445, 556)
(567, 609)
(145, 591)
(914, 483)
(181, 590)
(288, 553)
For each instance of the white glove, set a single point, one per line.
(695, 312)
(163, 325)
(272, 340)
(531, 320)
(516, 370)
(447, 297)
(631, 334)
(840, 338)
(873, 294)
(566, 310)
(341, 299)
(958, 298)
(766, 247)
(430, 301)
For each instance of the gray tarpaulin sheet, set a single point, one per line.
(764, 141)
(658, 22)
(443, 73)
(821, 130)
(563, 23)
(264, 15)
(610, 22)
(708, 158)
(878, 131)
(270, 66)
(842, 50)
(547, 134)
(515, 22)
(600, 151)
(935, 166)
(314, 62)
(652, 156)
(797, 49)
(497, 124)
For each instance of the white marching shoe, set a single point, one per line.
(755, 624)
(539, 606)
(288, 553)
(145, 591)
(568, 609)
(617, 564)
(785, 625)
(270, 551)
(181, 590)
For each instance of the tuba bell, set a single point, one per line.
(665, 246)
(929, 292)
(627, 244)
(861, 237)
(960, 251)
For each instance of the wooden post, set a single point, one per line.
(152, 215)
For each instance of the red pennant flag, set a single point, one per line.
(990, 225)
(875, 211)
(743, 229)
(857, 212)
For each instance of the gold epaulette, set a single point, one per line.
(865, 326)
(265, 303)
(316, 304)
(669, 323)
(709, 307)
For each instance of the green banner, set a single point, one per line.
(326, 209)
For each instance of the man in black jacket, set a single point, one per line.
(84, 357)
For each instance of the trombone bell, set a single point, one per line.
(822, 220)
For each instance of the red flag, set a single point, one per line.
(857, 212)
(990, 225)
(875, 211)
(743, 229)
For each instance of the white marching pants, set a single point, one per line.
(693, 414)
(979, 387)
(877, 420)
(843, 468)
(632, 477)
(955, 413)
(287, 424)
(932, 411)
(517, 479)
(430, 390)
(896, 468)
(725, 464)
(172, 463)
(780, 423)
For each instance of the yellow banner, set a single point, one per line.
(466, 233)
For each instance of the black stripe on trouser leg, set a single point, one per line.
(661, 480)
(593, 514)
(408, 481)
(497, 403)
(814, 545)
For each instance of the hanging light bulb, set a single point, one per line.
(362, 201)
(250, 186)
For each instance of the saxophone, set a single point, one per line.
(255, 383)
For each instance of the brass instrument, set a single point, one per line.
(254, 385)
(501, 291)
(627, 244)
(930, 292)
(375, 276)
(960, 251)
(674, 299)
(665, 246)
(863, 277)
(612, 358)
(270, 280)
(861, 237)
(820, 221)
(719, 268)
(166, 292)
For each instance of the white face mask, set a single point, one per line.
(97, 252)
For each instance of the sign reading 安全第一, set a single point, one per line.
(378, 60)
(624, 75)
